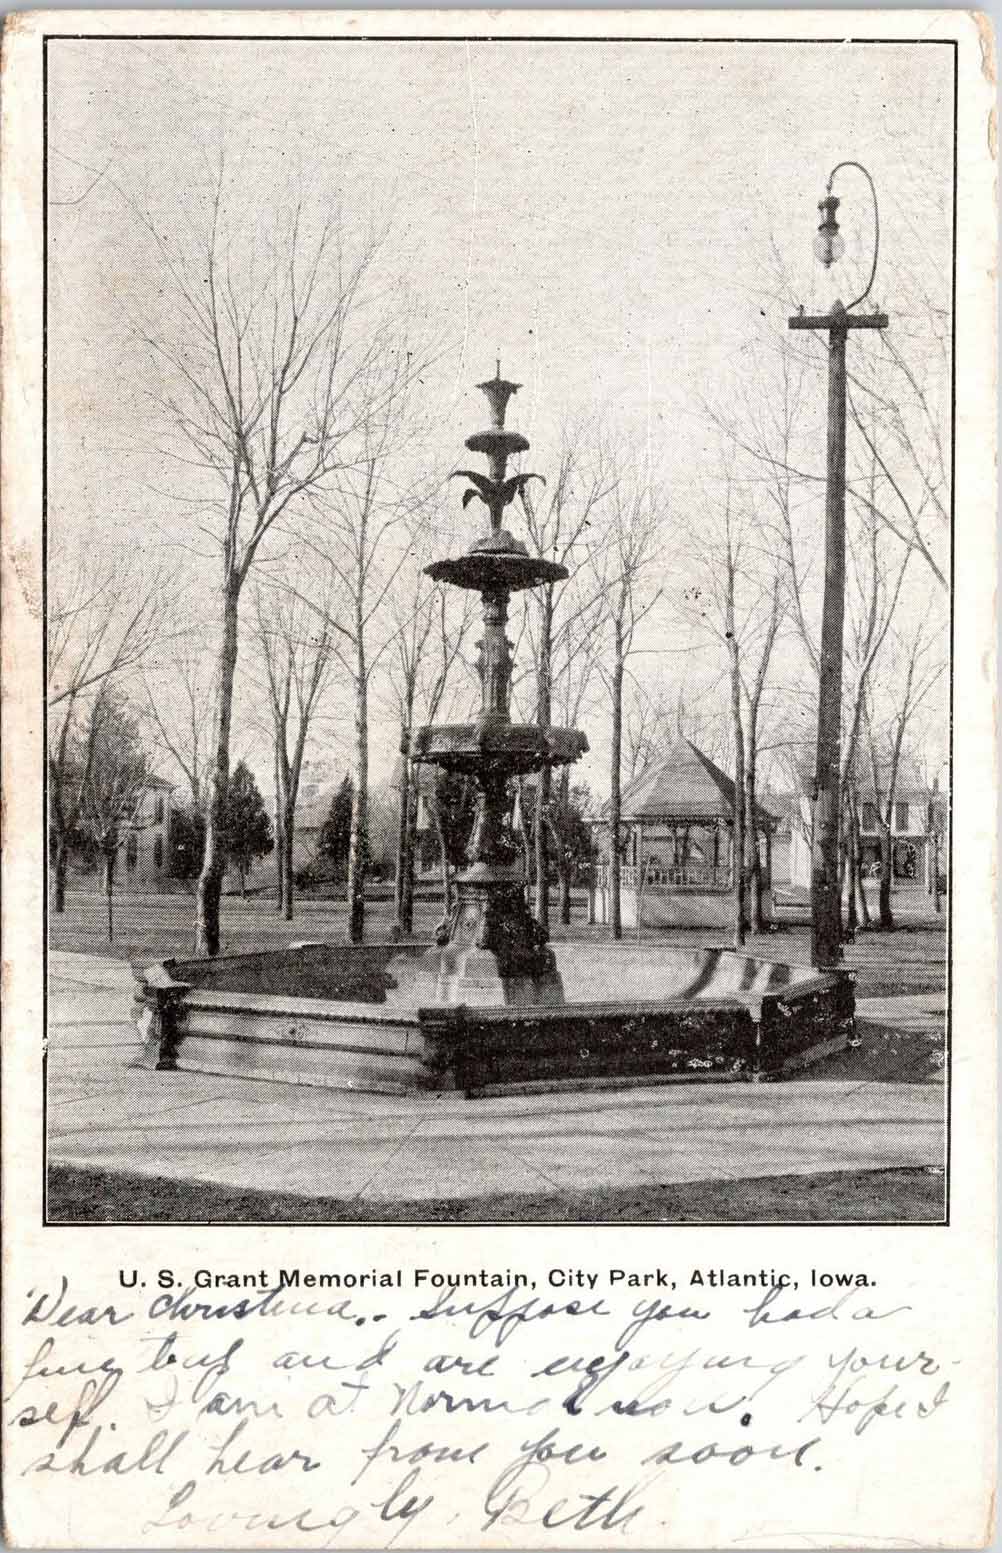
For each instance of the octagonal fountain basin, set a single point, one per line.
(393, 1019)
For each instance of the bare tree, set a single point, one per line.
(753, 686)
(432, 624)
(361, 518)
(118, 775)
(898, 402)
(178, 696)
(297, 648)
(739, 601)
(646, 726)
(625, 571)
(105, 618)
(875, 583)
(654, 717)
(267, 377)
(575, 668)
(558, 528)
(923, 666)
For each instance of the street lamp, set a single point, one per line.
(829, 245)
(826, 904)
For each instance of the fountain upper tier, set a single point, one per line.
(496, 440)
(496, 563)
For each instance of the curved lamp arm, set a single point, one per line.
(876, 224)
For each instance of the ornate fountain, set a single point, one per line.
(490, 948)
(490, 1005)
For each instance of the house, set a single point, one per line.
(142, 861)
(313, 809)
(919, 818)
(143, 856)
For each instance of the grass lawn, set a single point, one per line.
(839, 1197)
(153, 927)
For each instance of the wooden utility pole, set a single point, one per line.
(826, 904)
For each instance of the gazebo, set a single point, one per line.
(677, 845)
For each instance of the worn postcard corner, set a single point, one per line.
(499, 779)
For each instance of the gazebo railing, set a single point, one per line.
(689, 876)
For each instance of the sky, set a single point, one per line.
(601, 216)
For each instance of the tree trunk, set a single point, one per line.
(210, 881)
(862, 904)
(242, 872)
(615, 791)
(60, 863)
(286, 837)
(279, 875)
(850, 871)
(541, 849)
(857, 910)
(403, 823)
(738, 818)
(358, 846)
(563, 857)
(565, 896)
(523, 833)
(407, 907)
(543, 780)
(753, 862)
(886, 914)
(279, 824)
(109, 888)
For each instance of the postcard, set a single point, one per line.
(499, 779)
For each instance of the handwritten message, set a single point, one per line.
(578, 1405)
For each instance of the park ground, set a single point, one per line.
(858, 1138)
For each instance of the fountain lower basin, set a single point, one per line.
(382, 1018)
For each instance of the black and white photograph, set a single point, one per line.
(498, 613)
(500, 779)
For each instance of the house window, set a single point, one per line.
(158, 852)
(900, 816)
(131, 853)
(158, 809)
(869, 816)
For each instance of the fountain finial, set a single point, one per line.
(498, 391)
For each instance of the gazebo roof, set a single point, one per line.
(683, 785)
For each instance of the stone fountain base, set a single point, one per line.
(392, 1020)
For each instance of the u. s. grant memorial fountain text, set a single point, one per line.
(423, 1278)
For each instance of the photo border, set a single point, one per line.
(220, 37)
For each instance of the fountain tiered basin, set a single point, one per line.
(522, 747)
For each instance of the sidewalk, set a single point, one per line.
(102, 1114)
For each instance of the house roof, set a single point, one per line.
(683, 784)
(908, 783)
